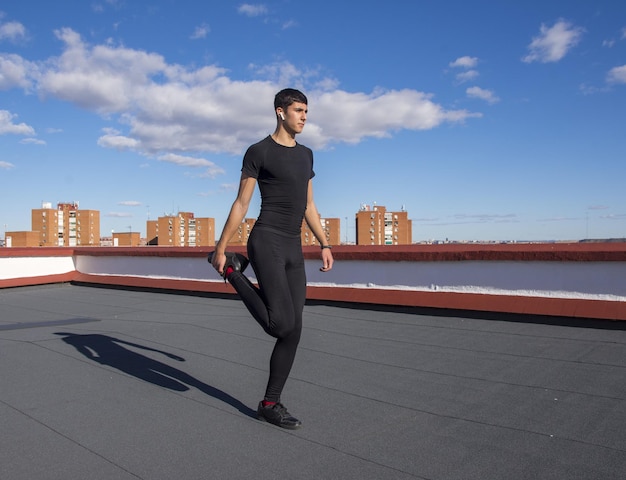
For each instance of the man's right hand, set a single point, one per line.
(218, 261)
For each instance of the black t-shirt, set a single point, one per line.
(283, 175)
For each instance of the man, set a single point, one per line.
(283, 170)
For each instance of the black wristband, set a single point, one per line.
(325, 246)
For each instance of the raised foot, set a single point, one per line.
(236, 261)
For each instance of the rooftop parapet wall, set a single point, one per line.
(576, 279)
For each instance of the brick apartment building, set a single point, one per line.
(181, 230)
(21, 239)
(332, 230)
(126, 239)
(64, 226)
(376, 226)
(67, 225)
(240, 238)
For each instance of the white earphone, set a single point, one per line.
(282, 117)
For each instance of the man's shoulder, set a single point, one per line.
(263, 143)
(258, 147)
(267, 145)
(304, 147)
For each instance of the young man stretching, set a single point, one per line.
(283, 170)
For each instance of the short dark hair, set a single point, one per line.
(286, 97)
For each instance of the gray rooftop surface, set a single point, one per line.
(101, 383)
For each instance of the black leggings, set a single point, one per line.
(278, 302)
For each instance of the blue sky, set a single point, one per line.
(485, 120)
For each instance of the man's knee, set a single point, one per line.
(285, 328)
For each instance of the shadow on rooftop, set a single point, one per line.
(110, 351)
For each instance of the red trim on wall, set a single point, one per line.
(43, 280)
(156, 283)
(579, 308)
(541, 252)
(568, 252)
(36, 252)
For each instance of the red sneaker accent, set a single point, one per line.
(229, 270)
(265, 403)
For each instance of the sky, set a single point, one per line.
(484, 120)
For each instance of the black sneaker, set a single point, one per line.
(235, 260)
(278, 415)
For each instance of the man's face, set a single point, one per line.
(295, 117)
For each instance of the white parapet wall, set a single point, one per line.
(33, 267)
(587, 283)
(157, 267)
(584, 280)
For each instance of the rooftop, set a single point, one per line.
(122, 383)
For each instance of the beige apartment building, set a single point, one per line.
(21, 239)
(66, 225)
(181, 230)
(240, 238)
(205, 232)
(126, 239)
(376, 226)
(332, 230)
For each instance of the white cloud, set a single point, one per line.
(6, 165)
(252, 10)
(468, 63)
(163, 108)
(130, 203)
(617, 75)
(285, 73)
(186, 161)
(467, 76)
(119, 214)
(229, 187)
(591, 89)
(100, 8)
(102, 78)
(553, 43)
(614, 216)
(200, 32)
(212, 170)
(558, 219)
(112, 139)
(32, 141)
(483, 94)
(7, 125)
(464, 62)
(16, 72)
(373, 115)
(12, 31)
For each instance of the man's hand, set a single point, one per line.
(218, 261)
(327, 260)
